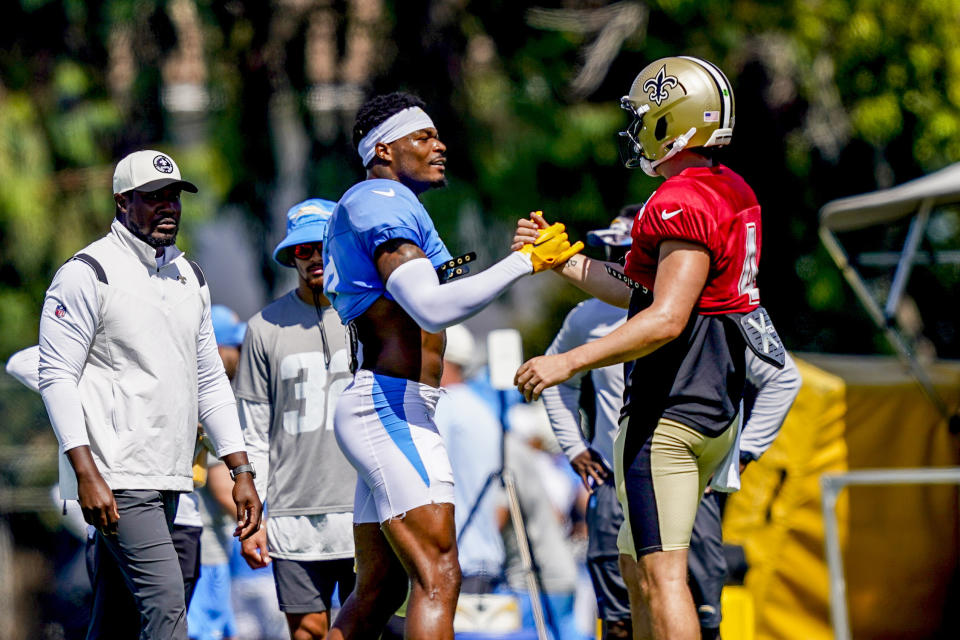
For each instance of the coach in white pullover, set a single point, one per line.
(128, 363)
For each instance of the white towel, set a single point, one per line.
(727, 476)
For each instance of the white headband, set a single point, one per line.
(393, 128)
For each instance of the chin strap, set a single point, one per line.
(323, 332)
(650, 167)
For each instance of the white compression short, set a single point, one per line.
(385, 428)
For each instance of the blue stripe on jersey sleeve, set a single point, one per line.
(388, 395)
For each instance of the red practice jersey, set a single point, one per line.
(713, 207)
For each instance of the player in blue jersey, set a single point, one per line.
(381, 259)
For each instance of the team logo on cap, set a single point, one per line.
(659, 86)
(308, 209)
(163, 164)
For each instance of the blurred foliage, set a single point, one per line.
(834, 97)
(25, 424)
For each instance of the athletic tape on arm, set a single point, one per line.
(415, 286)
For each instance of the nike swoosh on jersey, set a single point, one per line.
(666, 215)
(389, 193)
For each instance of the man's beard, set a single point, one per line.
(419, 187)
(156, 243)
(314, 283)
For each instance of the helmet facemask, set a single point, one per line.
(631, 151)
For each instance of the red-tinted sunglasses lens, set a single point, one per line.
(305, 251)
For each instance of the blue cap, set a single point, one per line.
(306, 222)
(227, 328)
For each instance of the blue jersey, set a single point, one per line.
(370, 213)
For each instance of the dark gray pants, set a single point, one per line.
(604, 517)
(707, 564)
(143, 551)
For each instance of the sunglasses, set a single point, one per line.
(305, 251)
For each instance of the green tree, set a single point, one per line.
(256, 100)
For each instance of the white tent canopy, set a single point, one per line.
(917, 199)
(887, 205)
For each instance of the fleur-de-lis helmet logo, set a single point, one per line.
(658, 85)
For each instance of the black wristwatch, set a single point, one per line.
(243, 468)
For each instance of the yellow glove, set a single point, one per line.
(551, 248)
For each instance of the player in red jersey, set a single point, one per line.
(696, 246)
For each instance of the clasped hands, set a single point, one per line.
(546, 244)
(549, 248)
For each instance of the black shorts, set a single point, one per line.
(604, 516)
(307, 587)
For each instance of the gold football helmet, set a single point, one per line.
(676, 103)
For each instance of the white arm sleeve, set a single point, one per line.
(416, 287)
(65, 340)
(562, 405)
(255, 420)
(24, 365)
(776, 391)
(223, 427)
(562, 402)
